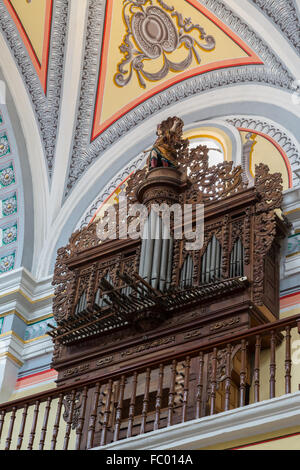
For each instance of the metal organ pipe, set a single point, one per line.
(143, 248)
(169, 265)
(99, 299)
(203, 267)
(81, 304)
(164, 257)
(156, 261)
(213, 267)
(149, 247)
(211, 263)
(237, 259)
(156, 253)
(186, 275)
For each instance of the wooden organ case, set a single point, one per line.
(132, 315)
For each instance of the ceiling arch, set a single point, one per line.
(42, 71)
(90, 145)
(30, 147)
(33, 20)
(16, 198)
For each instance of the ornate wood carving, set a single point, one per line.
(209, 183)
(72, 407)
(63, 278)
(232, 211)
(269, 188)
(247, 236)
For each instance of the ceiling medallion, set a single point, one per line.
(156, 34)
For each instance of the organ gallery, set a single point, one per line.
(157, 334)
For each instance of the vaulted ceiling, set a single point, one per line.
(87, 82)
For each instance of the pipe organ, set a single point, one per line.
(211, 268)
(237, 259)
(125, 304)
(156, 253)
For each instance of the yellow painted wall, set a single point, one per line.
(278, 440)
(115, 97)
(32, 17)
(33, 391)
(280, 366)
(214, 133)
(28, 429)
(263, 151)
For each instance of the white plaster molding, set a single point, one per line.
(38, 347)
(268, 31)
(2, 92)
(33, 143)
(70, 91)
(292, 265)
(13, 345)
(8, 376)
(23, 279)
(291, 206)
(19, 291)
(14, 352)
(230, 130)
(259, 418)
(289, 143)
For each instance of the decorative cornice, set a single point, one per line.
(252, 420)
(46, 107)
(12, 357)
(289, 146)
(84, 152)
(28, 299)
(284, 15)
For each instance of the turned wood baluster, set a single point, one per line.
(200, 386)
(243, 373)
(57, 421)
(145, 401)
(186, 387)
(171, 393)
(288, 362)
(2, 416)
(119, 408)
(93, 417)
(115, 398)
(228, 378)
(213, 381)
(159, 397)
(69, 422)
(45, 424)
(106, 413)
(22, 427)
(257, 368)
(11, 428)
(272, 364)
(34, 422)
(81, 419)
(132, 405)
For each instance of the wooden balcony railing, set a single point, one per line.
(233, 372)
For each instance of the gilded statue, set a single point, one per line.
(165, 149)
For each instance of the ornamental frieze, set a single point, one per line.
(157, 33)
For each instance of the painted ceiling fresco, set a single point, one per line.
(149, 46)
(133, 61)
